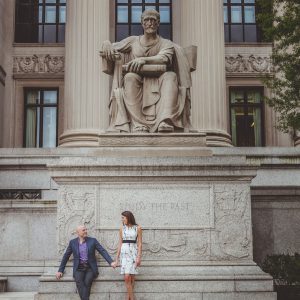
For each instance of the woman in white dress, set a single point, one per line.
(129, 251)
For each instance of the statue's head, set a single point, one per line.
(150, 20)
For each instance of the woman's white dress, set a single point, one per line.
(129, 251)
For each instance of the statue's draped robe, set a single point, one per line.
(149, 106)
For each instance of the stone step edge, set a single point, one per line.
(266, 277)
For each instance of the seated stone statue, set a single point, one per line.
(151, 81)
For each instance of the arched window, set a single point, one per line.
(128, 17)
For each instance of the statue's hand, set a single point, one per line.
(108, 51)
(135, 65)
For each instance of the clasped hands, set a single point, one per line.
(116, 264)
(59, 275)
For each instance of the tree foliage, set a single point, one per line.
(284, 268)
(280, 23)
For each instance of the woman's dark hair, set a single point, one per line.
(130, 217)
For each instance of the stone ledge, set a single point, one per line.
(166, 296)
(17, 295)
(74, 138)
(26, 204)
(153, 139)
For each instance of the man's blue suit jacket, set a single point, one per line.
(92, 246)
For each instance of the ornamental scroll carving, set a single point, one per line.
(39, 64)
(233, 221)
(76, 206)
(248, 64)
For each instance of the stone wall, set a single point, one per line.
(276, 221)
(28, 204)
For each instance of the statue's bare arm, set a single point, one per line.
(108, 51)
(135, 65)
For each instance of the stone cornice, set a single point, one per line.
(38, 66)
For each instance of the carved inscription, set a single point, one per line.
(157, 206)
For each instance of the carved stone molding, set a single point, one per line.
(37, 64)
(20, 194)
(165, 244)
(248, 64)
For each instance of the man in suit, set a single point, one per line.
(85, 268)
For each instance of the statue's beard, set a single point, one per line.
(150, 30)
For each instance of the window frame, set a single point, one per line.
(42, 106)
(243, 23)
(129, 4)
(35, 21)
(246, 106)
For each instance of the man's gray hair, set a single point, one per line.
(150, 12)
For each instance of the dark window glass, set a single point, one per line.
(40, 21)
(246, 114)
(41, 117)
(128, 17)
(240, 21)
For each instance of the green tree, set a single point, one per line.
(280, 23)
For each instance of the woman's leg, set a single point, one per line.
(132, 281)
(132, 284)
(128, 284)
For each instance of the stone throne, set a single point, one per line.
(185, 138)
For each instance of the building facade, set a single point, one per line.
(54, 101)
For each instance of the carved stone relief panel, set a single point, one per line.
(232, 238)
(76, 206)
(38, 64)
(248, 64)
(180, 221)
(165, 244)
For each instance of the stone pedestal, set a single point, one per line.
(138, 140)
(196, 218)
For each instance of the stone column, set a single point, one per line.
(202, 25)
(86, 87)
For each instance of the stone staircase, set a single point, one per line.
(205, 282)
(17, 296)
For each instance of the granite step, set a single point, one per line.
(17, 296)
